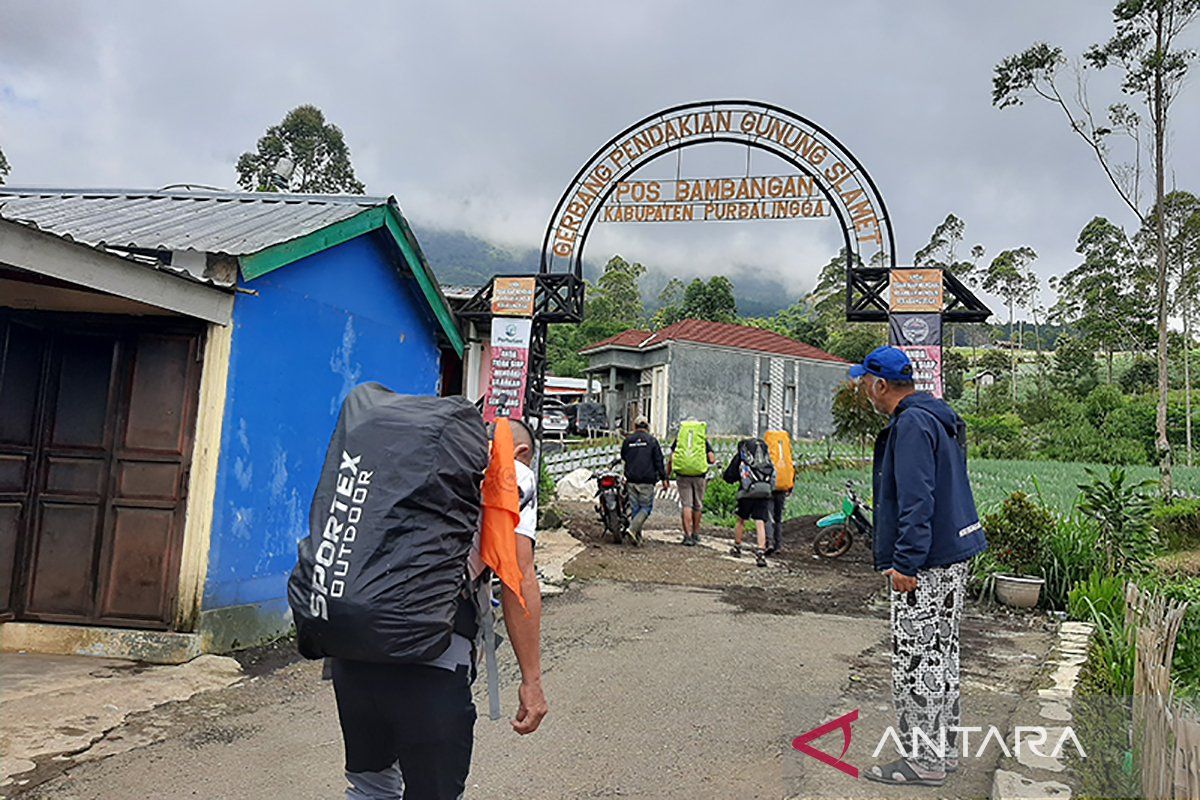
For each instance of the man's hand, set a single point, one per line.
(901, 582)
(666, 485)
(533, 708)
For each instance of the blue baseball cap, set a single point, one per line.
(885, 362)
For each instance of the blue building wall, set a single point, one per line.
(316, 328)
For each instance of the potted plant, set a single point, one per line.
(1018, 532)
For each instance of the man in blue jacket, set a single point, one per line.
(926, 529)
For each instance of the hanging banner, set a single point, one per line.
(513, 297)
(927, 367)
(915, 329)
(915, 290)
(509, 369)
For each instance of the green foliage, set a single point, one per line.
(611, 306)
(1185, 666)
(1140, 377)
(1121, 508)
(316, 148)
(797, 321)
(1071, 556)
(720, 501)
(1100, 600)
(942, 250)
(546, 486)
(954, 366)
(1178, 524)
(997, 362)
(853, 343)
(711, 300)
(854, 419)
(1018, 533)
(1075, 370)
(996, 435)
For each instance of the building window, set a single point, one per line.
(789, 400)
(764, 398)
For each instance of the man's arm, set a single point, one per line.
(525, 631)
(915, 471)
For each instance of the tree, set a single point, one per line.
(1009, 275)
(1075, 366)
(710, 300)
(828, 297)
(4, 168)
(954, 365)
(611, 306)
(854, 342)
(1104, 297)
(854, 419)
(942, 250)
(315, 148)
(1144, 47)
(798, 321)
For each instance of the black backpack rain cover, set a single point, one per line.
(391, 524)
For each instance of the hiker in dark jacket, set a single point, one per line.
(926, 529)
(644, 467)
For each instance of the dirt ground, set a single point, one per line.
(797, 580)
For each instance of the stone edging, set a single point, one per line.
(1032, 775)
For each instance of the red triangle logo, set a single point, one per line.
(801, 742)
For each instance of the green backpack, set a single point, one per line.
(691, 451)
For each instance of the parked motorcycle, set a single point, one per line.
(838, 529)
(612, 502)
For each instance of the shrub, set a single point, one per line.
(1178, 524)
(1121, 509)
(547, 489)
(1141, 377)
(1071, 556)
(996, 436)
(1018, 533)
(720, 501)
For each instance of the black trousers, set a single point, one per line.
(417, 716)
(775, 526)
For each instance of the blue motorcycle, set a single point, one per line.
(837, 530)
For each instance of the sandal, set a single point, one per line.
(760, 558)
(735, 551)
(900, 773)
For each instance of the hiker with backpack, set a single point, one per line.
(644, 467)
(393, 583)
(754, 473)
(691, 456)
(779, 444)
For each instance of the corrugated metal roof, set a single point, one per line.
(229, 223)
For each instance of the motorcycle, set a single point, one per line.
(838, 529)
(612, 502)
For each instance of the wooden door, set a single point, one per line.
(98, 530)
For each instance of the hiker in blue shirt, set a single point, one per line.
(926, 529)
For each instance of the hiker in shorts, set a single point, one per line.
(691, 456)
(751, 469)
(408, 729)
(644, 468)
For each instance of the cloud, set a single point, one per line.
(477, 115)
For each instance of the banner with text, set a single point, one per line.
(510, 369)
(915, 329)
(915, 291)
(927, 367)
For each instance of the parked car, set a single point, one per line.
(554, 420)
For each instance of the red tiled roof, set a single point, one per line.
(719, 334)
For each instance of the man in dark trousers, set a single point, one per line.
(926, 529)
(644, 468)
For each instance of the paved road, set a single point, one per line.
(656, 692)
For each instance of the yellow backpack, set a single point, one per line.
(780, 446)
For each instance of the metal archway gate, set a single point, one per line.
(830, 167)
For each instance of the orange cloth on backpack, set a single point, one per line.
(501, 511)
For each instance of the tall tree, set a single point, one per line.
(612, 305)
(942, 250)
(711, 300)
(316, 149)
(670, 304)
(1144, 46)
(1010, 276)
(1104, 297)
(4, 169)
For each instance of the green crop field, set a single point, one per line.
(819, 492)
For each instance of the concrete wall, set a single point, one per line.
(721, 386)
(315, 329)
(712, 384)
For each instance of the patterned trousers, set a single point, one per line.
(925, 666)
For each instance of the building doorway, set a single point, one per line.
(97, 416)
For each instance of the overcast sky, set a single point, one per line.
(477, 115)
